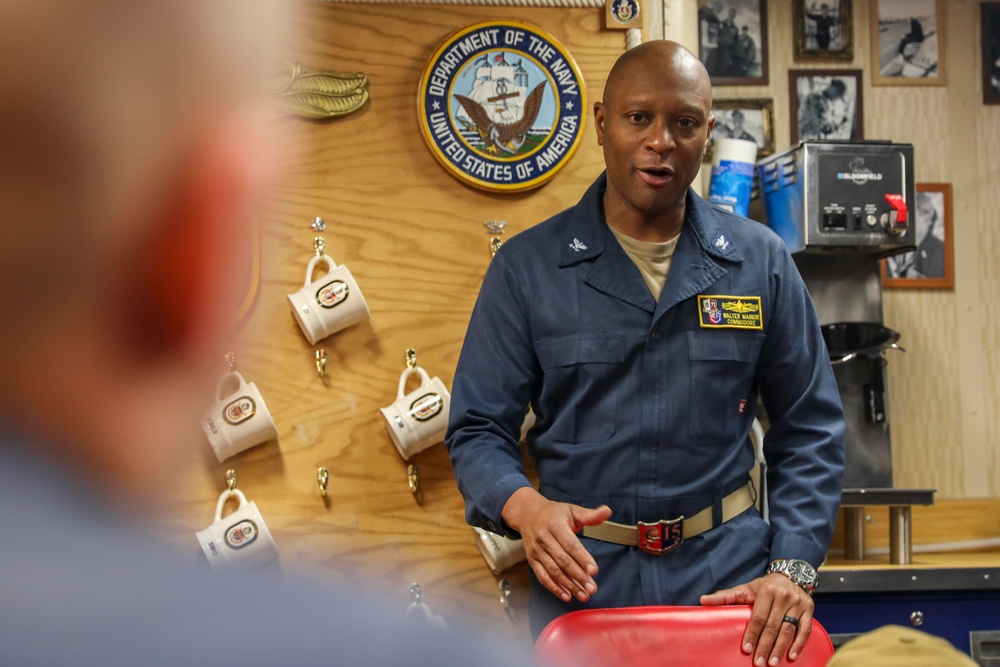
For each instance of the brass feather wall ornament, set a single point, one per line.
(318, 94)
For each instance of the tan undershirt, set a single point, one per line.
(651, 258)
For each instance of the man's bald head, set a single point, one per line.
(665, 55)
(101, 101)
(129, 157)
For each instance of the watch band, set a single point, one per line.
(800, 572)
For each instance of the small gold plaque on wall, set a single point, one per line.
(502, 106)
(623, 14)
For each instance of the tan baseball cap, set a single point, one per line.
(896, 646)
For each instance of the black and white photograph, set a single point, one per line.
(908, 42)
(990, 19)
(930, 265)
(823, 30)
(826, 104)
(732, 41)
(749, 119)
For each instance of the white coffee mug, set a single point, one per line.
(239, 541)
(500, 552)
(238, 421)
(418, 419)
(332, 303)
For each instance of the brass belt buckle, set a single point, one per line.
(661, 537)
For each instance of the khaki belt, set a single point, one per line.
(664, 536)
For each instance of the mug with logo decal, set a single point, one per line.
(240, 540)
(327, 305)
(500, 552)
(419, 419)
(238, 421)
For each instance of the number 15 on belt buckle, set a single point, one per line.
(661, 537)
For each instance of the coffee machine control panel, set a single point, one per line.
(844, 195)
(861, 194)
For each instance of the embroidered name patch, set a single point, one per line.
(729, 312)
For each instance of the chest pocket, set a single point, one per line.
(722, 368)
(579, 387)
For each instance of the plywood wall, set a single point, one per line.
(414, 240)
(945, 390)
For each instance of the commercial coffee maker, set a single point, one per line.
(840, 207)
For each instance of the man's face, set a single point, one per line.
(925, 210)
(654, 126)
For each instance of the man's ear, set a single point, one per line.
(599, 115)
(186, 286)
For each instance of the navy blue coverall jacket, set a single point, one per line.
(647, 406)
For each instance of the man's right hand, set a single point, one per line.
(555, 553)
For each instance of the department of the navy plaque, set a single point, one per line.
(502, 105)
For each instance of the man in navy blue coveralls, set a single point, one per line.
(644, 405)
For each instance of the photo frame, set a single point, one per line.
(823, 29)
(732, 41)
(908, 42)
(932, 264)
(826, 104)
(989, 16)
(744, 119)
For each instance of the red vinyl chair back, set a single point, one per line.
(661, 636)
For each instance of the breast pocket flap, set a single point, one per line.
(581, 349)
(725, 347)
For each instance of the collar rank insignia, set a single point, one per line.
(721, 243)
(577, 245)
(502, 106)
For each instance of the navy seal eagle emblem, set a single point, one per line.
(502, 106)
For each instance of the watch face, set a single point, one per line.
(802, 572)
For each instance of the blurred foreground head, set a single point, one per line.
(131, 149)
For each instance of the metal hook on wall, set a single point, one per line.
(321, 362)
(319, 245)
(231, 361)
(495, 227)
(504, 587)
(413, 477)
(231, 482)
(323, 479)
(411, 358)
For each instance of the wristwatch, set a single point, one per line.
(799, 571)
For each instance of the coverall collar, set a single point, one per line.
(704, 239)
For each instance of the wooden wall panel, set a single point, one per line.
(413, 238)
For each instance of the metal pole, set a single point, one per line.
(854, 533)
(900, 536)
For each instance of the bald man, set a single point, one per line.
(641, 325)
(131, 149)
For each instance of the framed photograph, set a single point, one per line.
(932, 263)
(908, 42)
(989, 15)
(732, 41)
(826, 104)
(750, 119)
(823, 30)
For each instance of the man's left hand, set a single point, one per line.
(774, 598)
